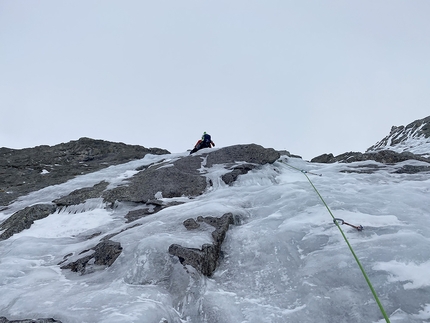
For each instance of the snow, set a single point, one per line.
(283, 261)
(419, 146)
(414, 143)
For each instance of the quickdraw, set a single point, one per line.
(306, 172)
(358, 227)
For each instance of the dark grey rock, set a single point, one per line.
(189, 164)
(78, 265)
(251, 153)
(287, 153)
(363, 169)
(140, 213)
(23, 219)
(205, 260)
(171, 181)
(232, 176)
(183, 177)
(42, 320)
(324, 159)
(221, 226)
(81, 195)
(21, 170)
(105, 253)
(383, 156)
(191, 224)
(250, 156)
(410, 169)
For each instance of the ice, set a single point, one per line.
(411, 272)
(284, 260)
(68, 223)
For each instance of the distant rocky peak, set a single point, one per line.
(414, 138)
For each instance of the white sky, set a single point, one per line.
(311, 77)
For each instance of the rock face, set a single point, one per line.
(25, 170)
(250, 156)
(183, 178)
(252, 153)
(171, 180)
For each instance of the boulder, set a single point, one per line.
(232, 176)
(105, 253)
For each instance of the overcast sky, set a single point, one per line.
(310, 77)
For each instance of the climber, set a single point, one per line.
(205, 142)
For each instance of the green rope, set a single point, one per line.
(350, 247)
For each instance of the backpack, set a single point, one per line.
(206, 138)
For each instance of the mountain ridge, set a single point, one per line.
(411, 137)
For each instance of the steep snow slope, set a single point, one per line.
(284, 259)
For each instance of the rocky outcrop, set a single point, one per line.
(81, 195)
(232, 176)
(169, 180)
(26, 170)
(23, 219)
(148, 209)
(288, 154)
(103, 254)
(240, 159)
(185, 176)
(383, 156)
(252, 153)
(205, 260)
(43, 320)
(411, 169)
